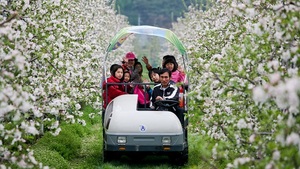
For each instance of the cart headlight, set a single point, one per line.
(166, 140)
(121, 140)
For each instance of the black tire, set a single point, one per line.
(180, 158)
(137, 157)
(107, 156)
(184, 157)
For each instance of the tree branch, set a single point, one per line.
(82, 82)
(56, 68)
(32, 60)
(249, 80)
(13, 16)
(219, 79)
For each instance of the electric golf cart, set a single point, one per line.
(128, 130)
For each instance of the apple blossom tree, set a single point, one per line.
(244, 57)
(50, 59)
(244, 63)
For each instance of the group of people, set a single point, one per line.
(131, 70)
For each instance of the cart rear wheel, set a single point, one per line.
(180, 158)
(107, 156)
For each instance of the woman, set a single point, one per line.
(131, 61)
(136, 76)
(143, 97)
(111, 91)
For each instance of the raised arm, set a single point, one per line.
(146, 61)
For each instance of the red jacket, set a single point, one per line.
(112, 90)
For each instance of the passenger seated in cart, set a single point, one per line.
(177, 73)
(139, 89)
(127, 77)
(125, 64)
(111, 91)
(153, 75)
(136, 75)
(149, 67)
(127, 80)
(131, 60)
(169, 61)
(164, 91)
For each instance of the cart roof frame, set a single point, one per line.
(122, 35)
(167, 34)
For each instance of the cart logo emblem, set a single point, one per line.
(142, 128)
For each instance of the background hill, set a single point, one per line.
(156, 13)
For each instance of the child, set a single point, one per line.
(177, 74)
(127, 79)
(153, 75)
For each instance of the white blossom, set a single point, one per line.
(57, 131)
(56, 2)
(241, 161)
(91, 115)
(242, 124)
(259, 95)
(37, 113)
(51, 38)
(77, 106)
(3, 3)
(22, 163)
(270, 165)
(273, 64)
(274, 78)
(278, 36)
(252, 138)
(280, 138)
(55, 125)
(291, 121)
(276, 155)
(250, 12)
(29, 128)
(82, 122)
(260, 69)
(25, 106)
(17, 116)
(214, 151)
(293, 139)
(286, 55)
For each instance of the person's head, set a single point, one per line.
(112, 68)
(170, 64)
(130, 56)
(138, 67)
(127, 76)
(166, 57)
(153, 75)
(125, 61)
(117, 71)
(165, 77)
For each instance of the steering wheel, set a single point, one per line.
(166, 103)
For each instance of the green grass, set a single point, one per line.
(50, 158)
(81, 147)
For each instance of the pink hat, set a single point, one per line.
(130, 55)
